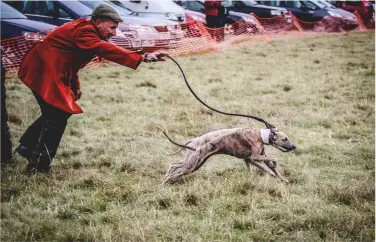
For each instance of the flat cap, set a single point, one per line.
(106, 11)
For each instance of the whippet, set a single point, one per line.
(243, 143)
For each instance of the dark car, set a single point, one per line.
(366, 9)
(133, 35)
(260, 10)
(18, 33)
(60, 12)
(313, 11)
(14, 24)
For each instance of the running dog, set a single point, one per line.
(243, 143)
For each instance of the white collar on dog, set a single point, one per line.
(265, 135)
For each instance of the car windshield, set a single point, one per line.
(153, 6)
(79, 8)
(250, 3)
(94, 4)
(325, 3)
(7, 12)
(312, 4)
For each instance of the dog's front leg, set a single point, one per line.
(273, 166)
(260, 165)
(248, 164)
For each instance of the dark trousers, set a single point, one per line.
(212, 24)
(44, 135)
(216, 27)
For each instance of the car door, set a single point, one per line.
(47, 11)
(298, 9)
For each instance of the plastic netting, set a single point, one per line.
(194, 37)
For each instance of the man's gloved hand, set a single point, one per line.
(77, 94)
(154, 56)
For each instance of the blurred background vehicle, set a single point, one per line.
(261, 10)
(366, 9)
(18, 33)
(133, 35)
(137, 27)
(14, 24)
(60, 12)
(313, 11)
(166, 9)
(167, 15)
(236, 22)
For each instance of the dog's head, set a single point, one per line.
(280, 140)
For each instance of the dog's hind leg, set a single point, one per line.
(191, 164)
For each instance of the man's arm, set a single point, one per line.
(88, 39)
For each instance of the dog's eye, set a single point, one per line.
(285, 139)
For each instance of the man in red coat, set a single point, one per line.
(50, 69)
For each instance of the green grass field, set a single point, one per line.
(106, 179)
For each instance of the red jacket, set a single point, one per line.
(211, 7)
(50, 66)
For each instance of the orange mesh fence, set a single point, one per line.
(362, 26)
(14, 49)
(194, 37)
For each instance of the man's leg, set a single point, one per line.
(29, 139)
(53, 127)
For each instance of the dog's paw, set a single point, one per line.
(285, 180)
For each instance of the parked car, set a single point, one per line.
(260, 10)
(137, 27)
(236, 22)
(166, 9)
(313, 11)
(18, 33)
(14, 24)
(132, 36)
(366, 10)
(166, 15)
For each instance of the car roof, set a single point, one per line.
(77, 7)
(8, 11)
(160, 6)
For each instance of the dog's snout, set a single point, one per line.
(293, 147)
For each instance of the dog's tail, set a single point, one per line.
(179, 150)
(183, 146)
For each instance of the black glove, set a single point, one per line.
(77, 94)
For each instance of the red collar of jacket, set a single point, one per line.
(96, 29)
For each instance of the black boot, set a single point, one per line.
(41, 158)
(38, 162)
(23, 151)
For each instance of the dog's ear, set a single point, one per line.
(274, 130)
(273, 135)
